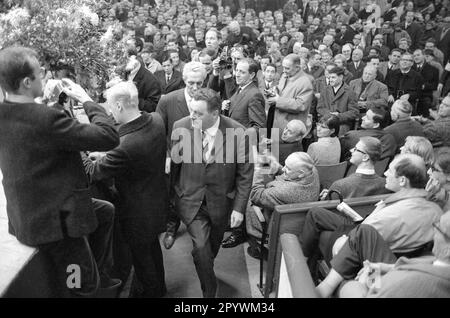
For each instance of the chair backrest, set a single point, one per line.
(329, 174)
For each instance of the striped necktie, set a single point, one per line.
(205, 147)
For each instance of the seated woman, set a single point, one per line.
(438, 185)
(364, 182)
(327, 149)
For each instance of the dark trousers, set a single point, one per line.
(147, 259)
(364, 243)
(206, 239)
(423, 106)
(317, 221)
(173, 220)
(74, 251)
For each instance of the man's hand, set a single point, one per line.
(391, 99)
(75, 91)
(216, 66)
(334, 113)
(433, 186)
(226, 105)
(323, 195)
(274, 99)
(236, 219)
(434, 114)
(168, 161)
(440, 87)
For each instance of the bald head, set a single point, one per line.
(294, 131)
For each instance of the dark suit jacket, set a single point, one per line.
(351, 138)
(148, 88)
(344, 102)
(430, 78)
(225, 185)
(172, 107)
(348, 35)
(416, 33)
(45, 185)
(176, 81)
(403, 128)
(248, 107)
(410, 83)
(357, 72)
(137, 166)
(443, 44)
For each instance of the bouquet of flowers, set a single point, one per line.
(63, 31)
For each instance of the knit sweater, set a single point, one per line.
(326, 151)
(360, 185)
(284, 191)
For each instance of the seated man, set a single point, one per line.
(364, 181)
(403, 125)
(372, 125)
(298, 183)
(404, 221)
(438, 130)
(291, 139)
(424, 277)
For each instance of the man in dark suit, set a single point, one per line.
(356, 66)
(137, 166)
(49, 202)
(414, 30)
(312, 9)
(208, 182)
(146, 83)
(351, 30)
(173, 107)
(430, 80)
(169, 79)
(443, 39)
(246, 106)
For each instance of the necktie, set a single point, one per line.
(167, 79)
(205, 146)
(238, 91)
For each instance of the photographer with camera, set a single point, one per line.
(49, 200)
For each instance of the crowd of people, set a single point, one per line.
(316, 83)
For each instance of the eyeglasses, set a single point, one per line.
(407, 60)
(436, 226)
(358, 150)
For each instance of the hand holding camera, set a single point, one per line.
(75, 91)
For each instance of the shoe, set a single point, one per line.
(233, 240)
(168, 240)
(256, 252)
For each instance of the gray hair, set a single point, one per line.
(194, 67)
(127, 92)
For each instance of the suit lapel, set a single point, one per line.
(339, 93)
(182, 104)
(219, 141)
(237, 98)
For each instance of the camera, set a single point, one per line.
(225, 60)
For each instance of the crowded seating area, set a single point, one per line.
(308, 137)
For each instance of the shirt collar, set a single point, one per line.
(243, 87)
(212, 131)
(133, 73)
(365, 171)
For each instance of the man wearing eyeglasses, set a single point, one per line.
(404, 83)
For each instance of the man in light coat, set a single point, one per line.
(294, 96)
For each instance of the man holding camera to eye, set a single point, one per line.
(50, 203)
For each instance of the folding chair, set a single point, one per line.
(331, 173)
